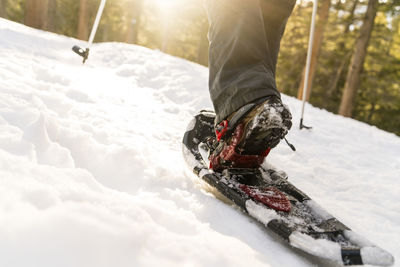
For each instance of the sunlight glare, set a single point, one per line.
(166, 5)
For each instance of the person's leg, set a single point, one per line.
(275, 15)
(250, 120)
(244, 44)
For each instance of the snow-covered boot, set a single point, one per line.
(247, 136)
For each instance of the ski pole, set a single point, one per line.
(85, 52)
(308, 63)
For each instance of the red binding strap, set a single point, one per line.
(270, 196)
(220, 134)
(230, 158)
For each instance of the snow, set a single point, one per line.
(320, 247)
(259, 212)
(374, 255)
(317, 210)
(92, 173)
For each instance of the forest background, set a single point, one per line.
(355, 64)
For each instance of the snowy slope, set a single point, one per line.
(91, 172)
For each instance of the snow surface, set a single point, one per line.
(92, 174)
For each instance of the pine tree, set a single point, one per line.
(357, 61)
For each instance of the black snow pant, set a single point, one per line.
(244, 37)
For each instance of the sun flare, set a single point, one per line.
(166, 5)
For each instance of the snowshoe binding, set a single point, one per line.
(248, 135)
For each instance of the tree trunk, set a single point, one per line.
(3, 8)
(36, 13)
(82, 31)
(357, 61)
(105, 33)
(340, 65)
(43, 13)
(51, 15)
(133, 21)
(323, 16)
(165, 36)
(351, 17)
(332, 89)
(371, 113)
(32, 16)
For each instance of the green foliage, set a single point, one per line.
(378, 100)
(181, 28)
(14, 10)
(293, 51)
(66, 17)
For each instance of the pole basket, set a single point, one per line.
(302, 126)
(82, 52)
